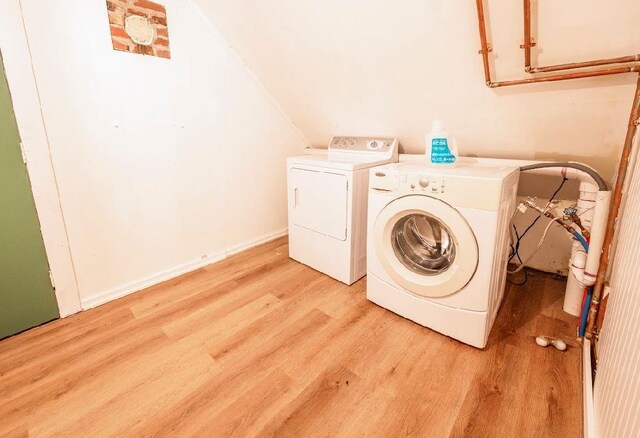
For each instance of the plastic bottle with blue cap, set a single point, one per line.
(441, 149)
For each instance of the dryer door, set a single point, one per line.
(426, 246)
(319, 201)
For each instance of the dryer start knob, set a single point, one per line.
(424, 183)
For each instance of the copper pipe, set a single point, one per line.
(602, 310)
(599, 62)
(484, 45)
(485, 49)
(559, 67)
(576, 220)
(527, 35)
(577, 75)
(613, 212)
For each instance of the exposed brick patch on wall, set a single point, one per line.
(119, 10)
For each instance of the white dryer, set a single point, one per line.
(438, 244)
(328, 204)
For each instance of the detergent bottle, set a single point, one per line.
(441, 149)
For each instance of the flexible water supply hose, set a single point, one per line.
(582, 240)
(585, 312)
(602, 185)
(523, 264)
(587, 302)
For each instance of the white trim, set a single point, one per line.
(260, 241)
(26, 105)
(587, 392)
(103, 298)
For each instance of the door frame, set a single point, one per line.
(14, 47)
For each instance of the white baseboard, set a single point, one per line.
(587, 392)
(260, 241)
(103, 298)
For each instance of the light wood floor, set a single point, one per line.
(261, 345)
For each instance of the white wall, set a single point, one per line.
(391, 67)
(617, 384)
(162, 165)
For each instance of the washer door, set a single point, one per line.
(426, 246)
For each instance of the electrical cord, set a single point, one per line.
(535, 251)
(524, 270)
(523, 282)
(515, 248)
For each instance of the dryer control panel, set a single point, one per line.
(385, 147)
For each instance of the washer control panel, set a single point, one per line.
(410, 182)
(424, 183)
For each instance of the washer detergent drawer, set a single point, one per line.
(319, 201)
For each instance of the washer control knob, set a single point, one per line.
(424, 183)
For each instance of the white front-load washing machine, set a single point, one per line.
(438, 244)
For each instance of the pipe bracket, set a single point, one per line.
(532, 43)
(489, 49)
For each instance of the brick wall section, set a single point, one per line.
(156, 13)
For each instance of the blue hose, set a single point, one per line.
(587, 301)
(585, 312)
(581, 239)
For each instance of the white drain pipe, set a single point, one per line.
(600, 217)
(574, 291)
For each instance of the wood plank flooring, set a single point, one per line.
(260, 345)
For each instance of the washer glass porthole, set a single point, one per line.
(423, 244)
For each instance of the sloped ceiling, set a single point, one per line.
(363, 67)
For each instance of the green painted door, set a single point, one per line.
(26, 294)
